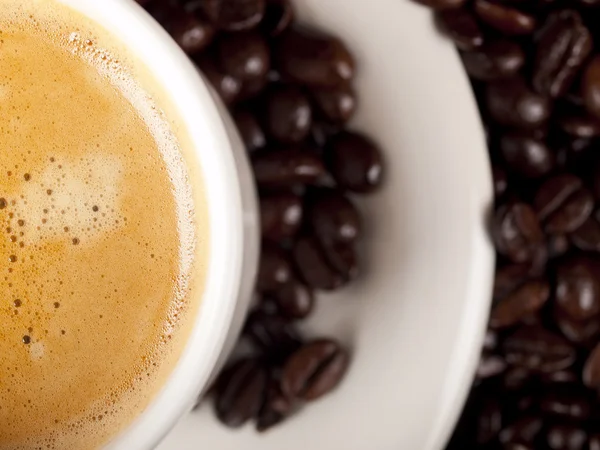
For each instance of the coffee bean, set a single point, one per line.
(490, 366)
(591, 370)
(557, 245)
(278, 17)
(563, 204)
(526, 155)
(274, 270)
(566, 401)
(355, 162)
(577, 289)
(595, 442)
(536, 349)
(511, 103)
(234, 15)
(500, 181)
(288, 167)
(288, 114)
(587, 236)
(294, 300)
(314, 370)
(523, 302)
(341, 257)
(226, 86)
(524, 430)
(240, 393)
(193, 34)
(275, 336)
(581, 332)
(245, 55)
(275, 408)
(489, 421)
(505, 19)
(565, 437)
(280, 215)
(461, 26)
(590, 87)
(334, 218)
(563, 46)
(250, 130)
(313, 266)
(494, 60)
(442, 4)
(580, 125)
(516, 232)
(336, 104)
(313, 59)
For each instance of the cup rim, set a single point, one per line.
(212, 147)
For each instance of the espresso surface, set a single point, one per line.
(98, 235)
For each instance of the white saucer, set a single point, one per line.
(415, 320)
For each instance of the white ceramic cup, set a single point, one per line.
(232, 213)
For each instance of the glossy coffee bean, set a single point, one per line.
(523, 430)
(240, 393)
(334, 218)
(563, 46)
(565, 437)
(537, 349)
(504, 18)
(314, 370)
(580, 125)
(591, 370)
(557, 245)
(288, 167)
(245, 55)
(336, 104)
(192, 33)
(294, 300)
(563, 204)
(313, 59)
(226, 86)
(275, 409)
(516, 232)
(490, 366)
(587, 236)
(313, 267)
(577, 291)
(234, 15)
(566, 401)
(342, 257)
(595, 442)
(494, 60)
(355, 162)
(590, 87)
(280, 215)
(519, 304)
(581, 332)
(500, 181)
(461, 26)
(442, 4)
(274, 269)
(288, 114)
(251, 131)
(511, 103)
(278, 17)
(526, 155)
(275, 336)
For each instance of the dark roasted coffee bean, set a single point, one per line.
(490, 341)
(278, 17)
(274, 335)
(511, 103)
(342, 257)
(461, 26)
(294, 300)
(490, 366)
(558, 245)
(577, 288)
(244, 55)
(275, 408)
(288, 114)
(500, 181)
(516, 232)
(494, 60)
(580, 332)
(524, 430)
(580, 125)
(517, 447)
(313, 59)
(587, 236)
(274, 269)
(516, 378)
(566, 401)
(590, 87)
(560, 377)
(226, 86)
(595, 442)
(336, 104)
(504, 18)
(563, 46)
(234, 15)
(334, 218)
(537, 349)
(288, 167)
(591, 371)
(442, 4)
(489, 421)
(526, 155)
(523, 302)
(313, 266)
(193, 34)
(240, 393)
(562, 204)
(565, 437)
(355, 162)
(250, 129)
(280, 215)
(314, 370)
